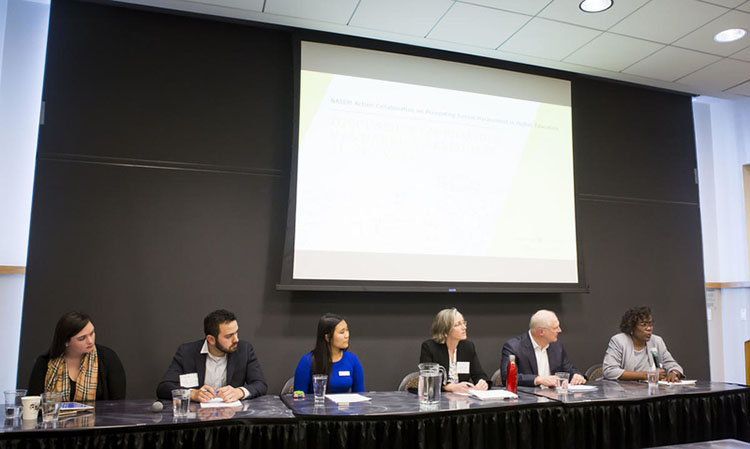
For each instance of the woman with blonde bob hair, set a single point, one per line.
(450, 348)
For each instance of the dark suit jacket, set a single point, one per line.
(243, 369)
(526, 367)
(110, 383)
(433, 352)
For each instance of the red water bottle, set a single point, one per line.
(511, 381)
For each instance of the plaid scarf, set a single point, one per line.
(57, 379)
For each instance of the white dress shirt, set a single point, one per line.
(216, 370)
(542, 361)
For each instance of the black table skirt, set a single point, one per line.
(658, 422)
(230, 434)
(522, 427)
(602, 424)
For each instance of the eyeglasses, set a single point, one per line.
(553, 328)
(646, 324)
(461, 323)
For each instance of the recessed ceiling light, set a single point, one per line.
(730, 35)
(595, 5)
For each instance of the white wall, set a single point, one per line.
(23, 43)
(722, 129)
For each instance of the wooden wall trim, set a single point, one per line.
(10, 269)
(741, 284)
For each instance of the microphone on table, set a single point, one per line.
(157, 406)
(655, 355)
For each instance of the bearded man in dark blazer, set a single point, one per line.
(221, 365)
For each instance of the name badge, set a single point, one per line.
(344, 373)
(462, 368)
(189, 380)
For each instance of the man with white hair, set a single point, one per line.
(538, 353)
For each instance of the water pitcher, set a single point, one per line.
(431, 377)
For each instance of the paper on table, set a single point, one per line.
(682, 382)
(341, 398)
(580, 388)
(492, 394)
(218, 402)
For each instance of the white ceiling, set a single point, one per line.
(661, 43)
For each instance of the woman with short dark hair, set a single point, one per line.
(450, 348)
(331, 357)
(636, 350)
(76, 366)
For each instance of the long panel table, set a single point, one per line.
(630, 414)
(615, 414)
(264, 422)
(396, 420)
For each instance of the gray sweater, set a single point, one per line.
(621, 356)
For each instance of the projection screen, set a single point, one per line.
(429, 174)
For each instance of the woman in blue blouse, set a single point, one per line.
(330, 356)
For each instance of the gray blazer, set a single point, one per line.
(621, 356)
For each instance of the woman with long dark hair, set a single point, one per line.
(76, 366)
(331, 357)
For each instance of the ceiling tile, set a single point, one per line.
(613, 52)
(249, 5)
(742, 89)
(568, 11)
(477, 25)
(336, 11)
(549, 39)
(720, 75)
(530, 7)
(745, 6)
(671, 63)
(649, 21)
(744, 55)
(702, 39)
(413, 17)
(725, 3)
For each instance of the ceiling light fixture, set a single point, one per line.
(730, 35)
(595, 5)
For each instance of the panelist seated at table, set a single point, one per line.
(636, 350)
(331, 357)
(538, 353)
(221, 365)
(76, 366)
(450, 348)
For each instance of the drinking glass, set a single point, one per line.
(51, 406)
(320, 381)
(180, 402)
(13, 404)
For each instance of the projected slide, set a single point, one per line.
(437, 180)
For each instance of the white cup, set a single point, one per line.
(30, 407)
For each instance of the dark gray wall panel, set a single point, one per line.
(148, 252)
(640, 144)
(166, 88)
